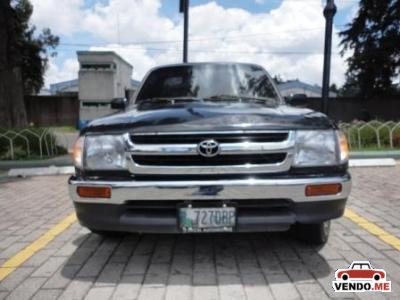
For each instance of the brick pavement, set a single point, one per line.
(81, 265)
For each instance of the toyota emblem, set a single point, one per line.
(208, 148)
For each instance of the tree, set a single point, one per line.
(35, 50)
(333, 88)
(373, 37)
(12, 108)
(278, 79)
(23, 59)
(350, 91)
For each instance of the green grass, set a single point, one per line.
(373, 148)
(32, 157)
(64, 129)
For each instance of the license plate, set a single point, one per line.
(212, 219)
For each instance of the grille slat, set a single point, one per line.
(219, 160)
(221, 138)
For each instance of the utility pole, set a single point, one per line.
(329, 14)
(184, 8)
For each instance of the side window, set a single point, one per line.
(96, 66)
(365, 267)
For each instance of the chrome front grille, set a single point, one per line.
(170, 139)
(240, 153)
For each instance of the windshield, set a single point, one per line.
(209, 81)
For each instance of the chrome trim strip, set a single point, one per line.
(163, 149)
(292, 189)
(244, 131)
(135, 168)
(226, 148)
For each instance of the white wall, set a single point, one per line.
(96, 85)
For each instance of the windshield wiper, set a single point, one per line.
(224, 97)
(171, 99)
(266, 101)
(239, 98)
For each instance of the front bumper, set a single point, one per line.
(289, 204)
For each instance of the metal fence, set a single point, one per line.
(372, 135)
(26, 142)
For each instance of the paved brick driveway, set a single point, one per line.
(80, 265)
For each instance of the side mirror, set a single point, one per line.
(119, 103)
(297, 100)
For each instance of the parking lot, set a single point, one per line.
(66, 261)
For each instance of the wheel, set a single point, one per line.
(345, 276)
(107, 233)
(316, 234)
(377, 277)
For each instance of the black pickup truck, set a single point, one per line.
(210, 147)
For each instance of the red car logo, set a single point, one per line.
(360, 270)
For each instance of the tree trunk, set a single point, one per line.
(12, 106)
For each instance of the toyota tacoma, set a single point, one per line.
(210, 147)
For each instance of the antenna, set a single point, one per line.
(118, 31)
(184, 8)
(329, 14)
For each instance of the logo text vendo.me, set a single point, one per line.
(361, 277)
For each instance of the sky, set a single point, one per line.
(286, 37)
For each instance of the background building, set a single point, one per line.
(71, 87)
(293, 87)
(103, 76)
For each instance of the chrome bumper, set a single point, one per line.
(291, 189)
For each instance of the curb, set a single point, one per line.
(52, 170)
(395, 154)
(62, 161)
(372, 162)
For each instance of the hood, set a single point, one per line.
(210, 116)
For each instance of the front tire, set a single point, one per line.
(316, 234)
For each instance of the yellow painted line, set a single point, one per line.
(374, 229)
(18, 259)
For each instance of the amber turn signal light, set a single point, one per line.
(77, 151)
(323, 189)
(93, 192)
(344, 148)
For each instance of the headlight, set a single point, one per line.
(319, 148)
(104, 152)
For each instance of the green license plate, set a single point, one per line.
(213, 219)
